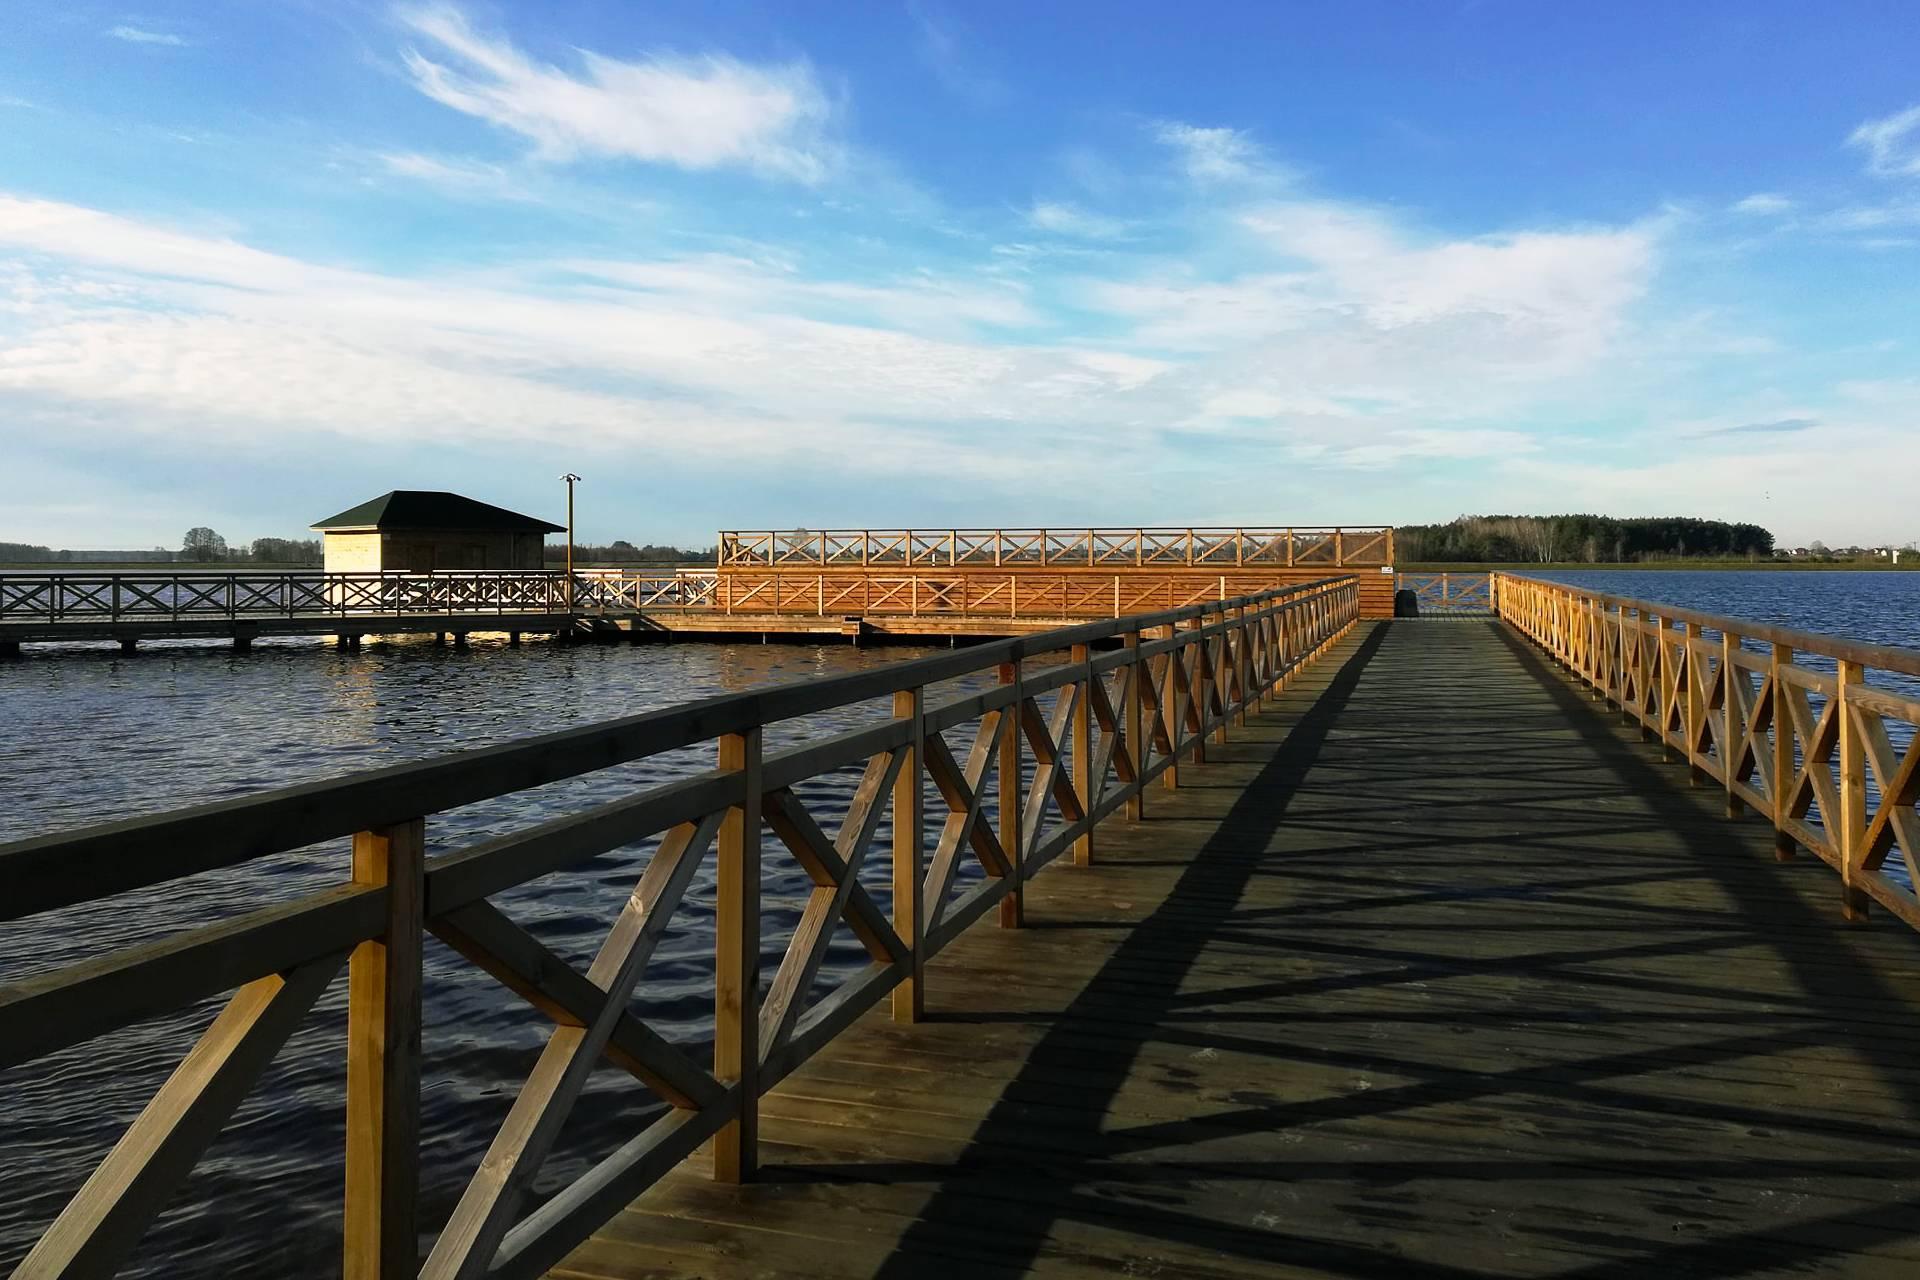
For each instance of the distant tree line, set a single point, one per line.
(1588, 538)
(620, 551)
(200, 545)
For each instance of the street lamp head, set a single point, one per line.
(569, 477)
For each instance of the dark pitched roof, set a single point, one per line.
(432, 509)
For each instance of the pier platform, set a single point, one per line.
(1434, 970)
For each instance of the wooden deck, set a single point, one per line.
(1441, 972)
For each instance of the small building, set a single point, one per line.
(420, 530)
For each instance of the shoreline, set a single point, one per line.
(1666, 566)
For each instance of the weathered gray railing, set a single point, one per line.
(1831, 760)
(1097, 724)
(34, 597)
(1449, 593)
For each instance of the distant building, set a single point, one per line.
(419, 530)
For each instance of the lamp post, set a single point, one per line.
(571, 479)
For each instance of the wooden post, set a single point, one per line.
(909, 908)
(380, 1237)
(1012, 906)
(1784, 846)
(1199, 683)
(1695, 712)
(1851, 839)
(1733, 732)
(1247, 638)
(1132, 718)
(736, 988)
(1170, 712)
(1083, 753)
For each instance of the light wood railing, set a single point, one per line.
(1786, 721)
(1063, 732)
(974, 593)
(1058, 548)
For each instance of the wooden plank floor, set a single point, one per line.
(1441, 972)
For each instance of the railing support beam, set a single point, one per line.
(383, 1062)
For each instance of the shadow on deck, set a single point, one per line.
(1440, 972)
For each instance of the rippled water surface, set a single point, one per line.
(1876, 607)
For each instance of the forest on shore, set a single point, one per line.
(1586, 538)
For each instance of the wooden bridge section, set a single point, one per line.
(1376, 949)
(908, 583)
(1011, 581)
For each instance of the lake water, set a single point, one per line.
(1876, 607)
(89, 735)
(92, 735)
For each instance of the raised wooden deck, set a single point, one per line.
(1435, 970)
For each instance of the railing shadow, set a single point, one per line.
(1146, 970)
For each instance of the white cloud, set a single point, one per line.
(1872, 217)
(693, 112)
(1763, 204)
(1212, 155)
(452, 173)
(1892, 143)
(1350, 301)
(1337, 349)
(139, 35)
(701, 359)
(1071, 220)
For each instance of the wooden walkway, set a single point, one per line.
(1442, 972)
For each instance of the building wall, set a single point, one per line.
(351, 552)
(424, 550)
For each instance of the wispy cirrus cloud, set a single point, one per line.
(1777, 427)
(1213, 154)
(1764, 204)
(1062, 218)
(141, 35)
(949, 50)
(1892, 143)
(693, 112)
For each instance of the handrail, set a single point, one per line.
(1884, 656)
(957, 592)
(37, 597)
(1447, 592)
(1335, 546)
(1064, 736)
(1809, 748)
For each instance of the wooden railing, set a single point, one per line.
(1096, 724)
(27, 598)
(874, 593)
(1786, 721)
(1057, 548)
(1449, 593)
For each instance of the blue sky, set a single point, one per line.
(747, 265)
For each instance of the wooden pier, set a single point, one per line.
(940, 585)
(1381, 949)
